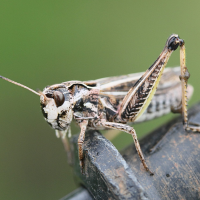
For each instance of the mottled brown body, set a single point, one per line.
(112, 102)
(95, 107)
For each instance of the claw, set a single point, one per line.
(151, 173)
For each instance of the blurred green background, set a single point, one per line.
(47, 42)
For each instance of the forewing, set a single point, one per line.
(118, 86)
(167, 94)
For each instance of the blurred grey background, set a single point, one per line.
(48, 42)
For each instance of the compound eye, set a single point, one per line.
(59, 98)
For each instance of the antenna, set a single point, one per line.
(6, 79)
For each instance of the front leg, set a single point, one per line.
(65, 140)
(83, 125)
(130, 130)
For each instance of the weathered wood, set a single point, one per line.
(174, 155)
(171, 152)
(106, 174)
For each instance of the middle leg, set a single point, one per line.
(83, 126)
(130, 130)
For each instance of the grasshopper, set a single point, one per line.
(113, 102)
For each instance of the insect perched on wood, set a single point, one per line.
(113, 102)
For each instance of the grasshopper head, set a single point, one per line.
(56, 105)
